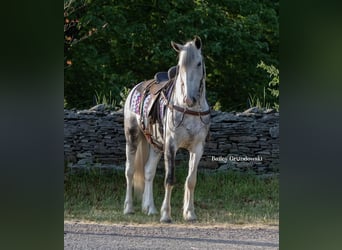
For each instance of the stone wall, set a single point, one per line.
(239, 141)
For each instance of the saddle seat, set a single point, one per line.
(165, 76)
(159, 82)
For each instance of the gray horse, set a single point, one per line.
(184, 124)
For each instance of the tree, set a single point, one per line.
(112, 44)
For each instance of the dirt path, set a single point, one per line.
(116, 236)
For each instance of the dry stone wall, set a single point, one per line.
(246, 141)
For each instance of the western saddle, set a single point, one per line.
(154, 88)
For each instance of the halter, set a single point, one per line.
(185, 110)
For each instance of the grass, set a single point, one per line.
(220, 198)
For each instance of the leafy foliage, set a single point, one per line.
(273, 84)
(112, 44)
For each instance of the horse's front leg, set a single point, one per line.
(190, 183)
(169, 156)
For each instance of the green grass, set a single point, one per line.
(221, 197)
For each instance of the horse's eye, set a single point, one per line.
(199, 64)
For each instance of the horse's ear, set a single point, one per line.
(177, 47)
(198, 42)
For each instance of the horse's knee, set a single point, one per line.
(170, 167)
(149, 175)
(190, 182)
(129, 172)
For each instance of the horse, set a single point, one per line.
(184, 124)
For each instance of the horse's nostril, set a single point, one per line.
(190, 101)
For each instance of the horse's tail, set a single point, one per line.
(140, 160)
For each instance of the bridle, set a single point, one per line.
(186, 111)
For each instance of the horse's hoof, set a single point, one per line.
(165, 219)
(191, 220)
(150, 210)
(128, 211)
(190, 217)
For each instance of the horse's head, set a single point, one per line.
(191, 70)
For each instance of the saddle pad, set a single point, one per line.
(136, 100)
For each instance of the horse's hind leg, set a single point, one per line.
(133, 138)
(150, 170)
(129, 172)
(190, 183)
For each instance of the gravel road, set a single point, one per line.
(81, 235)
